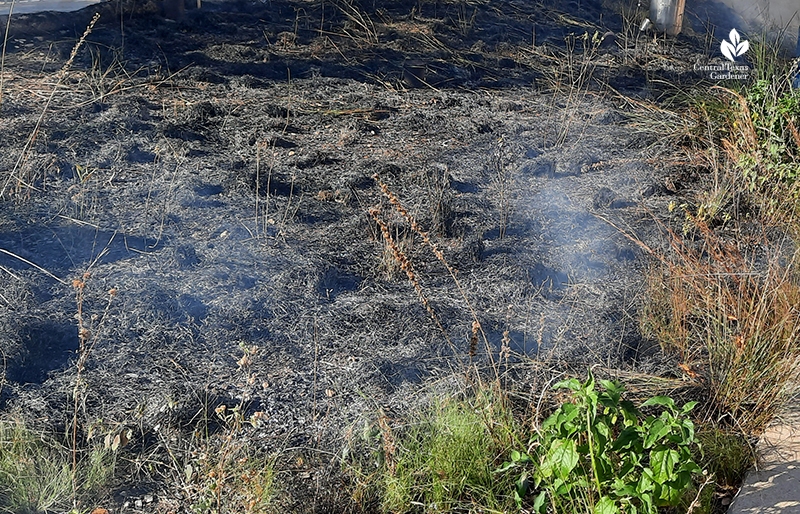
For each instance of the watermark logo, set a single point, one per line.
(734, 48)
(730, 70)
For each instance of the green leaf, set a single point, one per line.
(561, 488)
(690, 466)
(629, 412)
(664, 401)
(687, 429)
(520, 458)
(539, 503)
(645, 482)
(623, 490)
(505, 467)
(589, 384)
(627, 466)
(687, 407)
(663, 463)
(561, 419)
(655, 432)
(522, 485)
(606, 506)
(615, 387)
(672, 491)
(628, 439)
(561, 459)
(571, 383)
(647, 503)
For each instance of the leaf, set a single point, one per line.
(505, 467)
(561, 488)
(561, 459)
(120, 440)
(589, 384)
(520, 458)
(655, 432)
(626, 468)
(539, 503)
(629, 412)
(664, 401)
(614, 387)
(690, 466)
(663, 463)
(571, 383)
(606, 506)
(645, 481)
(647, 502)
(560, 420)
(625, 490)
(522, 485)
(687, 407)
(627, 439)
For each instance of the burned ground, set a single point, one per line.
(218, 173)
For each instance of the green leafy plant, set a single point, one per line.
(598, 453)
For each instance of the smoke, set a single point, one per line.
(767, 12)
(753, 16)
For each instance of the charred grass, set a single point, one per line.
(721, 301)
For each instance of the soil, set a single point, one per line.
(218, 172)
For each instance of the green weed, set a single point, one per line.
(598, 453)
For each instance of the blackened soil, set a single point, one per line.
(218, 173)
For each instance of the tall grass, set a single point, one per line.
(731, 319)
(725, 299)
(442, 460)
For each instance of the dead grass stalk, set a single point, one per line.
(3, 55)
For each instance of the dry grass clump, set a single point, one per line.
(732, 320)
(725, 300)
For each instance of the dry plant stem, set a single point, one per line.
(440, 256)
(3, 56)
(405, 265)
(26, 261)
(59, 78)
(87, 341)
(696, 502)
